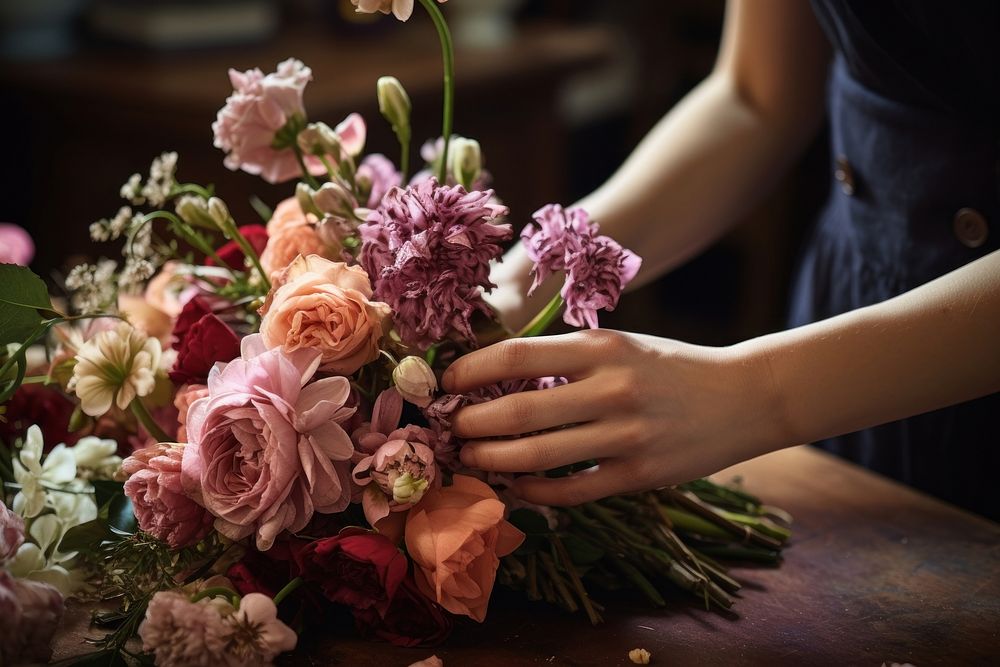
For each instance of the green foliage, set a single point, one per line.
(24, 303)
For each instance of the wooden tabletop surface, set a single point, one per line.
(875, 573)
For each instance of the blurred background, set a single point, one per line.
(557, 92)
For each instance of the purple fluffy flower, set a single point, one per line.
(597, 267)
(427, 250)
(379, 175)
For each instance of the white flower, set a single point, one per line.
(161, 179)
(115, 367)
(132, 190)
(96, 457)
(41, 560)
(33, 475)
(93, 286)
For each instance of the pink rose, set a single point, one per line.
(161, 506)
(267, 449)
(398, 474)
(292, 241)
(287, 214)
(11, 534)
(325, 306)
(185, 396)
(456, 536)
(16, 246)
(260, 107)
(30, 612)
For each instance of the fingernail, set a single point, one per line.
(468, 456)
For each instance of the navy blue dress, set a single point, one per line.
(914, 110)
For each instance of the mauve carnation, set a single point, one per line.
(377, 174)
(157, 494)
(428, 250)
(595, 279)
(11, 534)
(326, 307)
(560, 232)
(259, 107)
(30, 612)
(267, 449)
(181, 633)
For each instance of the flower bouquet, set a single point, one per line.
(248, 426)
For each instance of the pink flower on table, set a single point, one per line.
(597, 267)
(181, 633)
(428, 249)
(16, 246)
(157, 494)
(267, 449)
(30, 612)
(456, 536)
(260, 107)
(11, 534)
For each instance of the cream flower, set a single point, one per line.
(115, 367)
(401, 9)
(29, 471)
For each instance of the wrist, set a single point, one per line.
(769, 423)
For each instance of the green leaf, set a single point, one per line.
(86, 536)
(121, 516)
(106, 490)
(583, 552)
(24, 303)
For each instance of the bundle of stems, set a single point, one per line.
(648, 542)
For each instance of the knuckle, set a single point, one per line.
(624, 390)
(606, 342)
(512, 353)
(518, 414)
(632, 435)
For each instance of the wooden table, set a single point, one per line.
(876, 573)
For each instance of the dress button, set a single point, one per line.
(844, 175)
(970, 227)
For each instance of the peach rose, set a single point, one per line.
(456, 536)
(185, 396)
(146, 318)
(285, 245)
(324, 306)
(288, 214)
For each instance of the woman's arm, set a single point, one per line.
(713, 156)
(655, 411)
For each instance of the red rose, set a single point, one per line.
(207, 341)
(357, 568)
(267, 572)
(232, 254)
(411, 620)
(42, 405)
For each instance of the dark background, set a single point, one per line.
(557, 105)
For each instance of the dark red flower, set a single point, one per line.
(42, 405)
(233, 255)
(205, 342)
(411, 619)
(268, 571)
(357, 568)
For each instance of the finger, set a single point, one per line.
(535, 453)
(528, 411)
(519, 359)
(611, 477)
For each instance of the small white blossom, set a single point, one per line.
(161, 179)
(96, 458)
(113, 368)
(92, 286)
(132, 190)
(110, 230)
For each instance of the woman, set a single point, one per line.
(901, 280)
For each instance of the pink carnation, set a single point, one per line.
(161, 506)
(267, 448)
(30, 612)
(260, 107)
(11, 534)
(597, 267)
(181, 633)
(428, 250)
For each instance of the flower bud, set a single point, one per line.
(394, 104)
(415, 381)
(319, 139)
(304, 195)
(194, 211)
(218, 211)
(334, 198)
(467, 162)
(408, 490)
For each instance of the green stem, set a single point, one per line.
(330, 171)
(147, 421)
(448, 58)
(287, 590)
(306, 176)
(233, 232)
(404, 155)
(191, 188)
(188, 233)
(542, 320)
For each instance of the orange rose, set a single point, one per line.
(288, 214)
(291, 241)
(456, 536)
(324, 306)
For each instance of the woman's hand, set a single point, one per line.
(651, 411)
